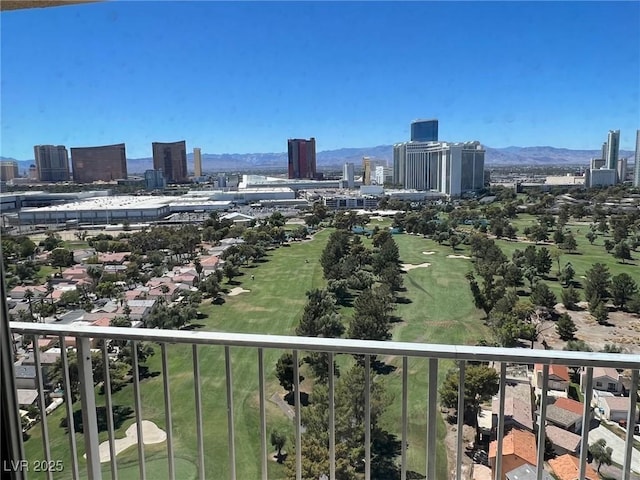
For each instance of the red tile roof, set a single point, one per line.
(560, 371)
(571, 405)
(567, 467)
(519, 443)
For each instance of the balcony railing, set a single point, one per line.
(434, 353)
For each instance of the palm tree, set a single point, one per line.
(29, 295)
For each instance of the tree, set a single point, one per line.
(278, 440)
(566, 327)
(591, 236)
(69, 297)
(541, 295)
(598, 309)
(543, 261)
(623, 287)
(371, 320)
(622, 251)
(284, 372)
(577, 346)
(597, 281)
(570, 242)
(61, 257)
(567, 274)
(481, 383)
(601, 453)
(570, 297)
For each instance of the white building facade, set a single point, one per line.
(449, 168)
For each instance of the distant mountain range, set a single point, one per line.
(336, 158)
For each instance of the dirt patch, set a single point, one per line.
(459, 256)
(237, 291)
(451, 442)
(623, 330)
(408, 266)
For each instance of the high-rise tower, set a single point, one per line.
(197, 162)
(105, 163)
(52, 163)
(613, 149)
(424, 130)
(171, 158)
(302, 158)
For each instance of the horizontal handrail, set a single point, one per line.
(339, 345)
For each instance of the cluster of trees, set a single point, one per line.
(373, 277)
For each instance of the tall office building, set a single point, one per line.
(197, 162)
(348, 174)
(366, 171)
(613, 149)
(424, 130)
(302, 158)
(154, 180)
(99, 164)
(52, 163)
(171, 158)
(636, 171)
(8, 170)
(622, 170)
(450, 168)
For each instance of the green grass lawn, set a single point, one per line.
(440, 311)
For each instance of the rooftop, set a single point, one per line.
(563, 438)
(519, 443)
(526, 472)
(567, 467)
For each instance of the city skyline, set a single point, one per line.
(253, 75)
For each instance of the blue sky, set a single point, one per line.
(244, 77)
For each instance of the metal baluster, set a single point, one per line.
(460, 420)
(503, 391)
(431, 427)
(631, 423)
(263, 415)
(109, 411)
(232, 441)
(586, 420)
(405, 436)
(88, 403)
(296, 386)
(69, 407)
(138, 406)
(198, 398)
(167, 411)
(332, 419)
(42, 404)
(542, 421)
(367, 417)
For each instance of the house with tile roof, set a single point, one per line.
(518, 448)
(563, 441)
(558, 385)
(615, 409)
(527, 472)
(567, 467)
(605, 379)
(517, 407)
(560, 416)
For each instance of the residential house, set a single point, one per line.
(140, 309)
(76, 273)
(518, 448)
(605, 379)
(517, 407)
(526, 472)
(26, 397)
(558, 385)
(567, 467)
(210, 263)
(116, 258)
(18, 293)
(25, 376)
(615, 409)
(563, 441)
(565, 415)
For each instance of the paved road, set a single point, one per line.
(617, 444)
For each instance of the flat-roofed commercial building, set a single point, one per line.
(302, 158)
(424, 130)
(8, 170)
(52, 163)
(171, 158)
(93, 164)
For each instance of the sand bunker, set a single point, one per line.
(237, 291)
(150, 434)
(428, 253)
(407, 266)
(459, 256)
